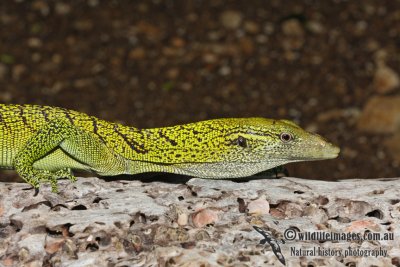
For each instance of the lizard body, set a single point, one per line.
(44, 143)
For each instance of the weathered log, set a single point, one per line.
(130, 223)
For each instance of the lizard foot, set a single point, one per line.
(63, 173)
(36, 177)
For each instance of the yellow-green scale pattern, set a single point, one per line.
(45, 143)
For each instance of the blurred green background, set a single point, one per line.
(331, 66)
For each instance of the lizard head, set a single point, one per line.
(258, 139)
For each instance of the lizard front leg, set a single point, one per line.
(38, 146)
(76, 143)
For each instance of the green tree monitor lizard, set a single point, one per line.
(45, 143)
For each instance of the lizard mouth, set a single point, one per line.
(317, 152)
(330, 151)
(322, 148)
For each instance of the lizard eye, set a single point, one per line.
(286, 137)
(241, 141)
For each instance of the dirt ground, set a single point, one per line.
(158, 63)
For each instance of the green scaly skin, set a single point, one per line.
(45, 143)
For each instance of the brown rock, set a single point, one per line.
(83, 25)
(186, 86)
(315, 27)
(151, 31)
(137, 53)
(258, 207)
(361, 225)
(182, 219)
(178, 42)
(8, 262)
(385, 79)
(3, 71)
(6, 96)
(277, 213)
(251, 27)
(62, 8)
(179, 215)
(292, 27)
(290, 209)
(204, 217)
(380, 115)
(231, 19)
(53, 246)
(247, 46)
(392, 145)
(34, 42)
(294, 37)
(82, 83)
(41, 6)
(173, 73)
(209, 58)
(18, 71)
(316, 214)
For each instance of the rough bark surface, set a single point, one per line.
(198, 223)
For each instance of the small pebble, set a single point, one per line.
(231, 19)
(385, 79)
(258, 207)
(204, 217)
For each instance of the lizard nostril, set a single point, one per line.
(241, 141)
